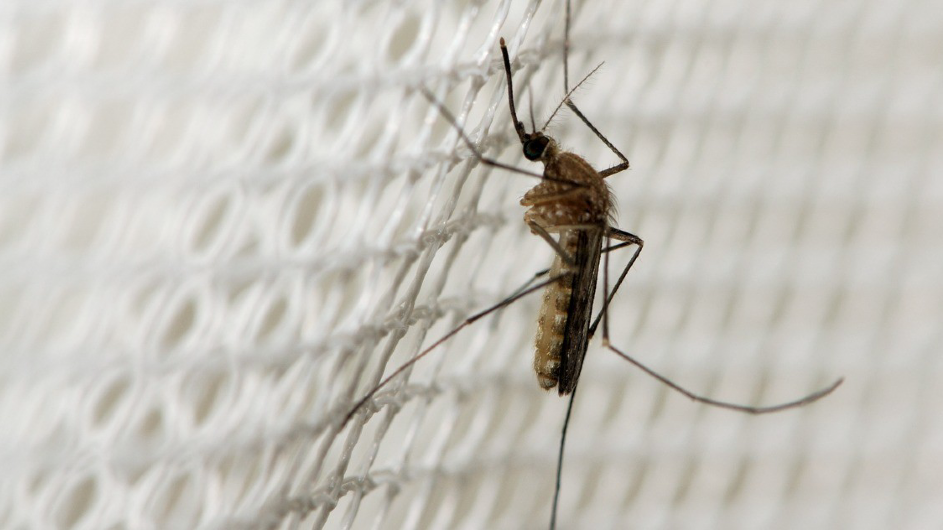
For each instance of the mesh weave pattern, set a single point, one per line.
(220, 222)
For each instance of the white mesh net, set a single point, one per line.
(220, 222)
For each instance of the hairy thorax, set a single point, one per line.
(572, 194)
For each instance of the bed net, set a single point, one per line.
(221, 223)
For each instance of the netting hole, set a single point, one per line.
(315, 42)
(76, 503)
(176, 501)
(110, 396)
(244, 126)
(150, 429)
(208, 392)
(251, 469)
(338, 109)
(308, 213)
(272, 319)
(370, 142)
(336, 288)
(179, 325)
(215, 219)
(278, 148)
(403, 38)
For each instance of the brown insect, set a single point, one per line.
(573, 202)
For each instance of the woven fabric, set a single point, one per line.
(222, 222)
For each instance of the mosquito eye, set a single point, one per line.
(534, 149)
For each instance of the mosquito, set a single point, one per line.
(574, 203)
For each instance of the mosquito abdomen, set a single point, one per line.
(563, 324)
(552, 320)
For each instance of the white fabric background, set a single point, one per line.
(220, 220)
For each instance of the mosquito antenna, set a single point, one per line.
(518, 126)
(449, 117)
(568, 94)
(566, 50)
(530, 103)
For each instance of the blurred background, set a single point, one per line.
(221, 223)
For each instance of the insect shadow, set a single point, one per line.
(573, 202)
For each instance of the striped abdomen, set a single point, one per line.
(563, 324)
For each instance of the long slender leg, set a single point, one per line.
(619, 246)
(811, 398)
(614, 169)
(556, 489)
(627, 240)
(566, 90)
(467, 322)
(566, 420)
(633, 239)
(449, 117)
(539, 230)
(522, 291)
(528, 283)
(544, 272)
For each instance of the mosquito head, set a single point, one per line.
(536, 145)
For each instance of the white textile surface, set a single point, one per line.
(221, 222)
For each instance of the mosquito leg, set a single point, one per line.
(627, 240)
(613, 248)
(633, 239)
(529, 282)
(569, 103)
(556, 490)
(614, 169)
(539, 230)
(467, 322)
(449, 117)
(811, 398)
(544, 272)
